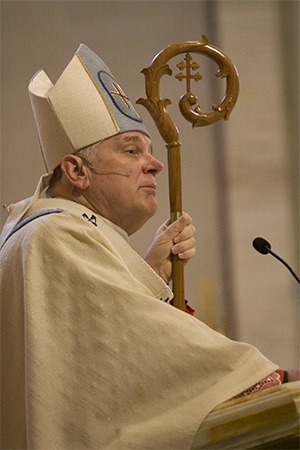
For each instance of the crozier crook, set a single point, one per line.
(157, 107)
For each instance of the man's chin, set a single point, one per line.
(148, 214)
(153, 209)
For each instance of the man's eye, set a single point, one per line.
(132, 151)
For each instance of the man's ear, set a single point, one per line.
(75, 171)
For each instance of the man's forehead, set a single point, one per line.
(137, 138)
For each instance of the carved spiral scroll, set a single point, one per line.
(157, 106)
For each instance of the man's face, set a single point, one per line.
(122, 184)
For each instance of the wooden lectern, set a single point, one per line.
(265, 420)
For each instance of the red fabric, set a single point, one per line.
(281, 374)
(188, 308)
(275, 379)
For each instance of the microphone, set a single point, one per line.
(124, 172)
(111, 171)
(264, 247)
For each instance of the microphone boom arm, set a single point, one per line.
(264, 247)
(285, 263)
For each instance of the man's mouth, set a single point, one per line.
(149, 187)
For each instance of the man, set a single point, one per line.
(93, 354)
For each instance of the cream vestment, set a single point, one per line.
(92, 356)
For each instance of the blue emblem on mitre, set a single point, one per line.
(118, 96)
(118, 103)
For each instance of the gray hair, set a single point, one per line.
(86, 153)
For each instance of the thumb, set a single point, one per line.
(176, 227)
(161, 230)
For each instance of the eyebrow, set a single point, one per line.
(137, 139)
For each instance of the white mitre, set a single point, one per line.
(84, 106)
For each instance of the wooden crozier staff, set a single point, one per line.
(168, 130)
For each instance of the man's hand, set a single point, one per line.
(293, 374)
(175, 238)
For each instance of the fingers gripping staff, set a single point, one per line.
(171, 238)
(168, 130)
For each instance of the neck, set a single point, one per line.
(74, 194)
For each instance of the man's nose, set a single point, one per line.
(153, 165)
